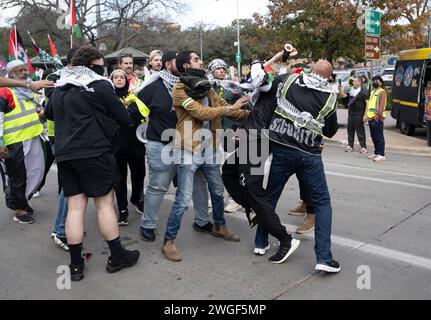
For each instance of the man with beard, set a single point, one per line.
(125, 63)
(200, 109)
(20, 145)
(154, 63)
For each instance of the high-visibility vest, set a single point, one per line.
(22, 123)
(286, 110)
(51, 128)
(373, 103)
(50, 123)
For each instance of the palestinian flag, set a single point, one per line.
(43, 55)
(54, 52)
(17, 51)
(71, 20)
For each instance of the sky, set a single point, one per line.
(221, 12)
(212, 12)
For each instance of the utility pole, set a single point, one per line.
(238, 40)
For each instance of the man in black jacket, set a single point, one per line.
(357, 103)
(305, 112)
(85, 109)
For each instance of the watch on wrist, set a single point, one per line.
(28, 83)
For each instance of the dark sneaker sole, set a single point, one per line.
(147, 239)
(326, 268)
(111, 269)
(22, 222)
(294, 245)
(202, 230)
(77, 277)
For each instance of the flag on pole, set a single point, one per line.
(54, 52)
(17, 51)
(44, 56)
(71, 20)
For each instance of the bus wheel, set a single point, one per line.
(407, 128)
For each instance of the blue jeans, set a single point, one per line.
(189, 164)
(60, 221)
(376, 131)
(161, 174)
(310, 172)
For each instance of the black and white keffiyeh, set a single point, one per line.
(79, 76)
(169, 80)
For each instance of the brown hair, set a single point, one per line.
(85, 56)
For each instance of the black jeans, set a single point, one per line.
(355, 123)
(137, 176)
(247, 190)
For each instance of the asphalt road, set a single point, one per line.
(381, 237)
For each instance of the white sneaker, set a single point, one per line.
(349, 149)
(372, 157)
(379, 159)
(36, 194)
(232, 207)
(260, 251)
(210, 204)
(363, 150)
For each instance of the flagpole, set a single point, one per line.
(16, 43)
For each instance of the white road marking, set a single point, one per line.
(400, 183)
(383, 252)
(378, 171)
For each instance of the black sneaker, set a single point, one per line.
(138, 205)
(148, 235)
(25, 219)
(77, 271)
(122, 219)
(129, 259)
(284, 251)
(206, 228)
(331, 267)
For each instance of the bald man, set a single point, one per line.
(305, 112)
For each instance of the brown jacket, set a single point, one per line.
(192, 113)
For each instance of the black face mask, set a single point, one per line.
(376, 85)
(100, 70)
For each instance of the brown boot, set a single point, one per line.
(170, 251)
(300, 210)
(308, 224)
(224, 232)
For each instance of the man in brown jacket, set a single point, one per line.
(199, 111)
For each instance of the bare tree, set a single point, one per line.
(114, 18)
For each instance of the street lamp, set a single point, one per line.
(238, 41)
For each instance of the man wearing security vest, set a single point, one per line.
(20, 145)
(305, 112)
(375, 115)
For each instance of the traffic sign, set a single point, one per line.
(372, 47)
(238, 57)
(373, 23)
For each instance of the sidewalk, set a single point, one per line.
(395, 141)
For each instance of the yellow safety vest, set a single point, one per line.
(22, 123)
(50, 123)
(373, 104)
(142, 107)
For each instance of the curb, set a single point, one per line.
(422, 152)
